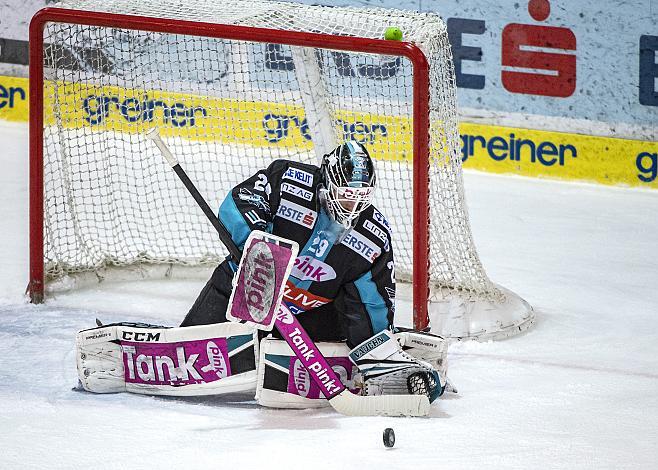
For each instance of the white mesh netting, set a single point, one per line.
(227, 108)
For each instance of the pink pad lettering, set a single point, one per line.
(182, 363)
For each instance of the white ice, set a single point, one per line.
(579, 390)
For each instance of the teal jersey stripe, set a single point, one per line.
(373, 301)
(234, 222)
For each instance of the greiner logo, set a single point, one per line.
(647, 165)
(511, 148)
(98, 108)
(8, 96)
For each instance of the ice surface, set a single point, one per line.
(579, 390)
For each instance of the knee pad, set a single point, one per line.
(284, 383)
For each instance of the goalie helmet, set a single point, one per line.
(349, 182)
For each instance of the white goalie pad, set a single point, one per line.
(284, 383)
(147, 359)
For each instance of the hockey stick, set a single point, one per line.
(339, 397)
(224, 234)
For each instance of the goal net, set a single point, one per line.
(232, 86)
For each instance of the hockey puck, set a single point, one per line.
(389, 437)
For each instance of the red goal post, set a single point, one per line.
(413, 53)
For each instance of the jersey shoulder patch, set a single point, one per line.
(302, 174)
(296, 213)
(361, 245)
(373, 222)
(296, 190)
(381, 220)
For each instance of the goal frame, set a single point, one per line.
(421, 124)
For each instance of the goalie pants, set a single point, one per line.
(210, 307)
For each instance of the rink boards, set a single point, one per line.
(255, 123)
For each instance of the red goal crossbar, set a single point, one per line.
(420, 146)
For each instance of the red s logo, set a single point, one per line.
(524, 47)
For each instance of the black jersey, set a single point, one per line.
(352, 268)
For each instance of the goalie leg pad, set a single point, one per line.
(155, 360)
(283, 382)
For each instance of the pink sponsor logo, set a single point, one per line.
(283, 315)
(216, 361)
(260, 281)
(300, 383)
(322, 373)
(307, 268)
(183, 363)
(300, 378)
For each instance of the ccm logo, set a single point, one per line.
(140, 336)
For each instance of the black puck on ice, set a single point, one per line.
(389, 437)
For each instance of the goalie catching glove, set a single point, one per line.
(385, 369)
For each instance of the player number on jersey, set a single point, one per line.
(319, 246)
(263, 185)
(391, 265)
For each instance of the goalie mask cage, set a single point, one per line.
(233, 85)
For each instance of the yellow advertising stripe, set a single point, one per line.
(494, 149)
(13, 99)
(131, 111)
(196, 117)
(559, 155)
